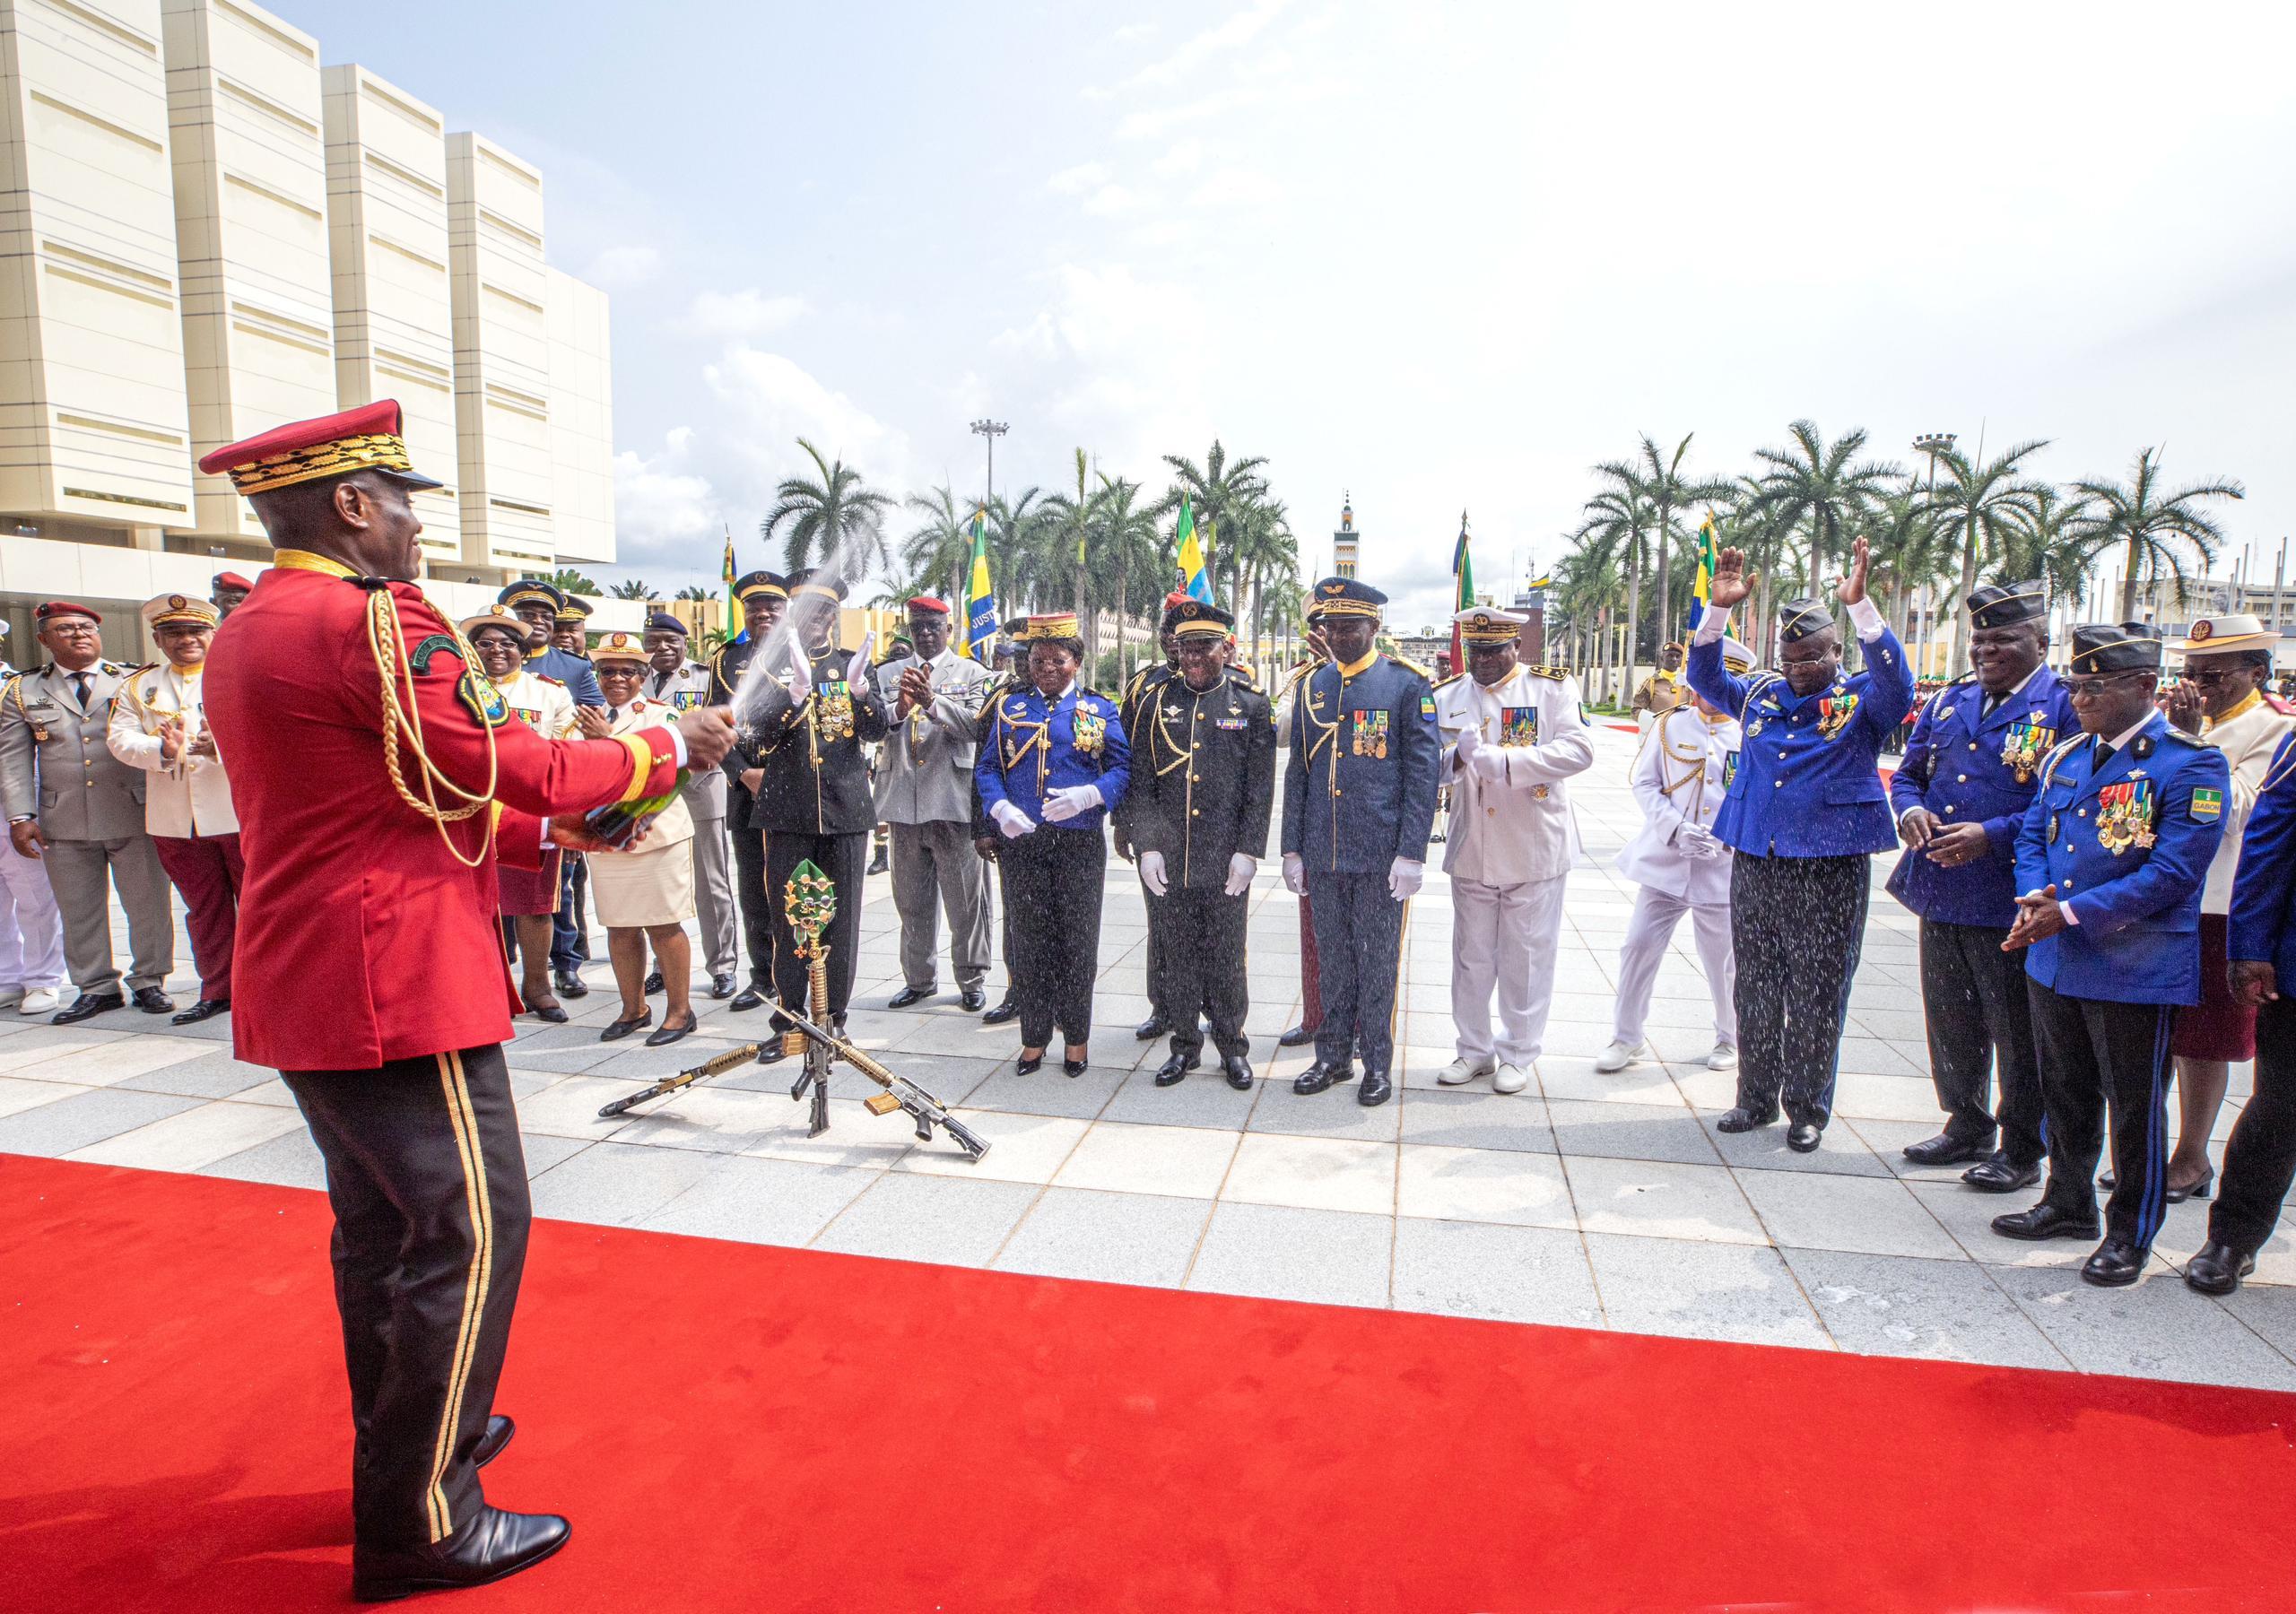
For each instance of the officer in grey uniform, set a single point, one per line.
(80, 809)
(675, 681)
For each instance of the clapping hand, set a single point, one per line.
(1852, 589)
(593, 722)
(2183, 706)
(1731, 582)
(916, 689)
(800, 676)
(172, 740)
(2039, 917)
(1011, 820)
(203, 743)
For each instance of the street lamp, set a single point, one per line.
(1930, 445)
(991, 431)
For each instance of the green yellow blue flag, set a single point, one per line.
(1701, 584)
(981, 600)
(1462, 591)
(1194, 583)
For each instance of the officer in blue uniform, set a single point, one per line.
(1053, 761)
(1804, 813)
(1969, 772)
(2261, 1159)
(2110, 862)
(1359, 803)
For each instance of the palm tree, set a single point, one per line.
(696, 592)
(567, 580)
(1068, 527)
(1124, 545)
(1016, 558)
(2157, 529)
(633, 588)
(829, 517)
(1812, 482)
(941, 545)
(1261, 543)
(2049, 547)
(1663, 484)
(1976, 507)
(1619, 516)
(1220, 491)
(1907, 551)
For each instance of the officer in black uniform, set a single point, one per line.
(813, 800)
(1137, 693)
(1203, 789)
(762, 597)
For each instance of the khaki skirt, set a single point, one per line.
(652, 887)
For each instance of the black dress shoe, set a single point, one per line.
(2046, 1220)
(669, 1034)
(2106, 1181)
(2217, 1269)
(1318, 1076)
(877, 864)
(1239, 1072)
(1804, 1136)
(2117, 1264)
(2175, 1196)
(1152, 1027)
(653, 984)
(1009, 1010)
(974, 999)
(911, 994)
(567, 983)
(721, 987)
(1174, 1070)
(498, 1430)
(623, 1028)
(87, 1007)
(551, 1012)
(772, 1050)
(749, 998)
(1376, 1089)
(1743, 1120)
(209, 1008)
(152, 1001)
(1298, 1037)
(490, 1546)
(1074, 1067)
(1028, 1064)
(1946, 1150)
(1996, 1174)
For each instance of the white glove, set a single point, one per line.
(858, 661)
(1489, 763)
(1151, 872)
(1070, 800)
(1011, 820)
(801, 671)
(1295, 874)
(1404, 876)
(1470, 741)
(1242, 867)
(1695, 840)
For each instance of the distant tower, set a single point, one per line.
(1343, 541)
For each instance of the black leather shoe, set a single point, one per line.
(207, 1009)
(721, 987)
(877, 864)
(620, 1029)
(567, 983)
(550, 1013)
(772, 1051)
(498, 1430)
(1174, 1070)
(1151, 1028)
(1742, 1119)
(1376, 1089)
(1009, 1010)
(653, 984)
(1300, 1035)
(1946, 1150)
(2117, 1264)
(973, 999)
(669, 1034)
(2217, 1269)
(1028, 1064)
(2175, 1196)
(1239, 1072)
(2106, 1181)
(911, 994)
(749, 998)
(1996, 1174)
(1804, 1136)
(2046, 1220)
(1074, 1067)
(1318, 1076)
(87, 1007)
(152, 1001)
(492, 1546)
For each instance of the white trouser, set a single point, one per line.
(1647, 936)
(31, 935)
(1503, 938)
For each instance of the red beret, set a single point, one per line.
(57, 608)
(365, 438)
(926, 603)
(230, 580)
(1178, 596)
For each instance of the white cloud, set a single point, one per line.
(623, 268)
(663, 508)
(1075, 181)
(1234, 34)
(1235, 188)
(739, 316)
(1184, 157)
(1111, 200)
(1132, 33)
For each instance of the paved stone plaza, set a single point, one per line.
(1597, 1202)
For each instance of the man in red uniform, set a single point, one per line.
(376, 774)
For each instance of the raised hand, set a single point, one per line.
(1852, 589)
(1732, 582)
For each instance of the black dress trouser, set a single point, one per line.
(845, 859)
(749, 894)
(2099, 1057)
(1052, 890)
(1797, 925)
(2261, 1159)
(1359, 959)
(428, 1185)
(1201, 966)
(1975, 1007)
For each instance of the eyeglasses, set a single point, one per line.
(2082, 688)
(75, 629)
(2209, 680)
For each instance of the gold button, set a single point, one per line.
(1778, 783)
(1196, 812)
(1961, 778)
(2083, 813)
(1339, 792)
(1949, 807)
(1973, 745)
(2068, 885)
(1195, 779)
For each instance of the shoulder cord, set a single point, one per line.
(1040, 740)
(1179, 753)
(383, 639)
(1326, 732)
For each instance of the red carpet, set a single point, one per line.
(734, 1427)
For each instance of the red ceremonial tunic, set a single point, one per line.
(361, 939)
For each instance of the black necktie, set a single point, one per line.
(2104, 755)
(613, 714)
(1991, 701)
(80, 688)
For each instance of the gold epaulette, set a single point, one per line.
(1447, 682)
(546, 678)
(1409, 666)
(1560, 674)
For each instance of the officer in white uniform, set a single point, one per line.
(1679, 778)
(1512, 734)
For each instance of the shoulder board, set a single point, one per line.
(2189, 742)
(1559, 673)
(1409, 666)
(2284, 707)
(1446, 683)
(546, 678)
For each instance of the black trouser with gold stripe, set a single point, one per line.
(428, 1184)
(1358, 957)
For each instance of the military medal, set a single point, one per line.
(1752, 729)
(2125, 815)
(1519, 725)
(1730, 766)
(2023, 747)
(1834, 713)
(1092, 731)
(834, 710)
(1369, 733)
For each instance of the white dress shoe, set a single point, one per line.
(1617, 1056)
(1510, 1079)
(1724, 1058)
(1460, 1072)
(39, 1000)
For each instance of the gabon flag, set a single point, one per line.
(1462, 592)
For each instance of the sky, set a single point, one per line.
(1439, 257)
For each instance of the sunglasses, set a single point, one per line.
(2080, 688)
(2209, 680)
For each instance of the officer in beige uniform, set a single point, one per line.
(80, 809)
(1512, 735)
